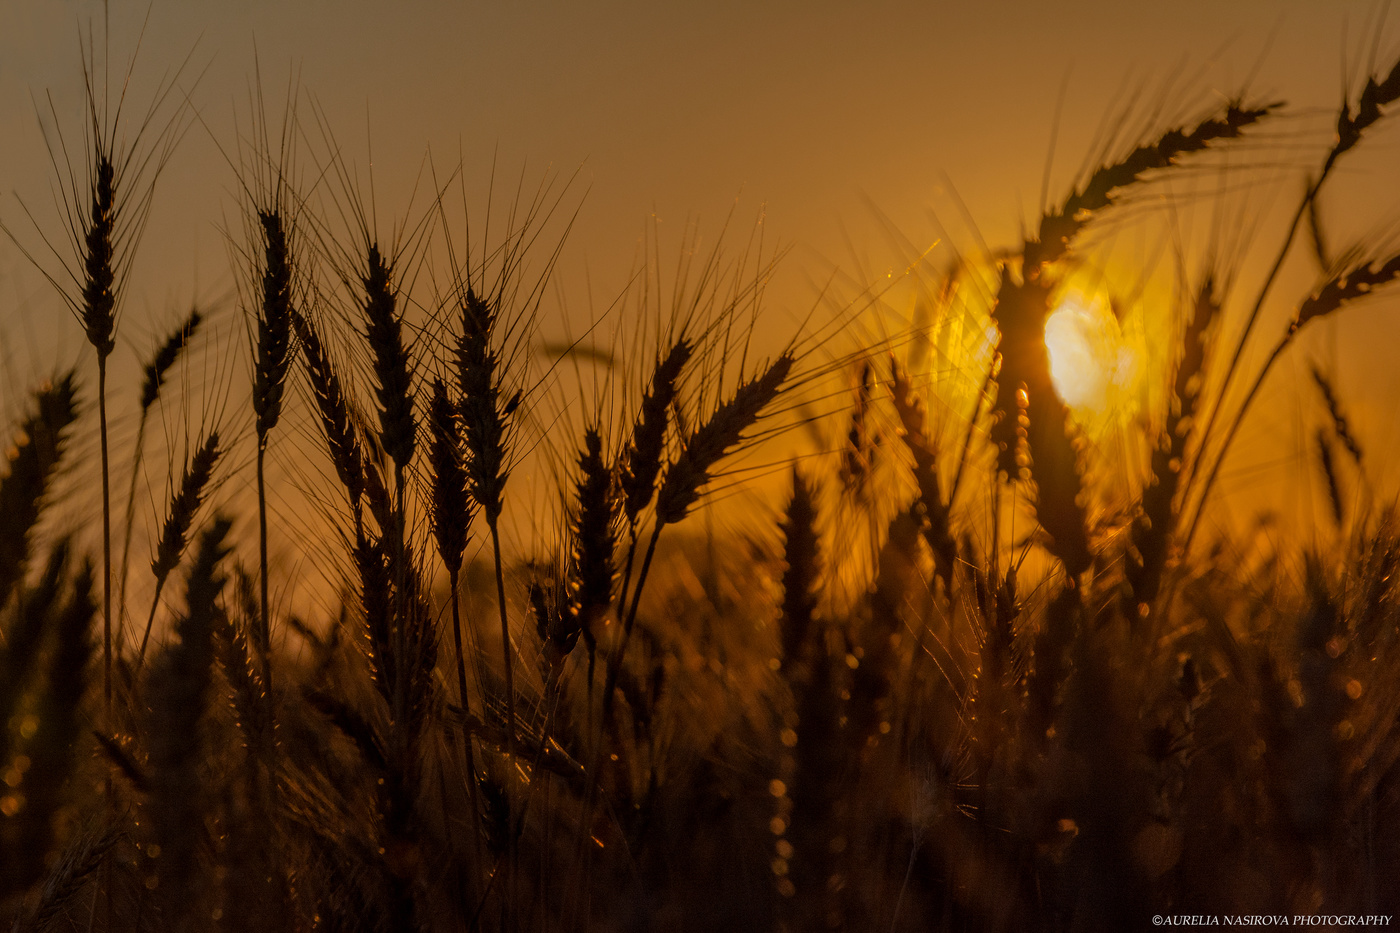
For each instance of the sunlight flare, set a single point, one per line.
(1091, 364)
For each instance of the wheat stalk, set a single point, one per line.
(180, 696)
(269, 379)
(451, 516)
(1350, 130)
(802, 570)
(1337, 291)
(154, 374)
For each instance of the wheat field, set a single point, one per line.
(374, 607)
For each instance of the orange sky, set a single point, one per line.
(819, 113)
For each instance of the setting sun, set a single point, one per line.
(1092, 366)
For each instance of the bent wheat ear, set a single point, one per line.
(1059, 228)
(33, 458)
(188, 498)
(1374, 96)
(1345, 286)
(158, 368)
(709, 443)
(687, 477)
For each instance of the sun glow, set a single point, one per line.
(1092, 366)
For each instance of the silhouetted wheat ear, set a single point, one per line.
(709, 443)
(274, 324)
(194, 484)
(342, 440)
(1032, 425)
(99, 304)
(1341, 288)
(393, 370)
(483, 419)
(863, 439)
(642, 461)
(241, 670)
(1341, 426)
(1330, 477)
(180, 695)
(1057, 229)
(484, 424)
(1054, 466)
(154, 372)
(33, 457)
(937, 527)
(555, 623)
(451, 510)
(1149, 535)
(1374, 96)
(801, 571)
(1020, 313)
(594, 534)
(376, 600)
(414, 652)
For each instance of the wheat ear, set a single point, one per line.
(183, 506)
(33, 458)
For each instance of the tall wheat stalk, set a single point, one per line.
(1341, 287)
(154, 375)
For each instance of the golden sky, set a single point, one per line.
(835, 120)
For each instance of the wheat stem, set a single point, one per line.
(106, 542)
